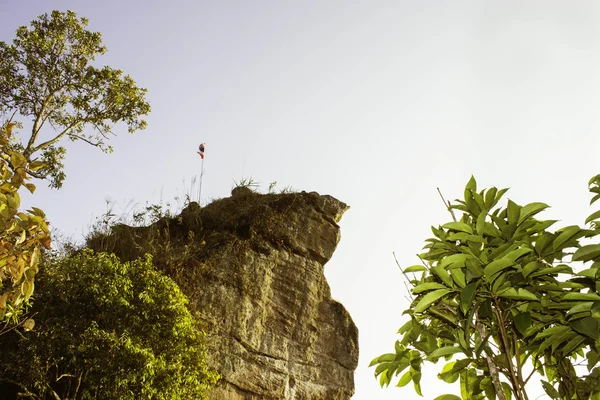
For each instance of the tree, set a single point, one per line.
(21, 234)
(107, 330)
(47, 76)
(498, 288)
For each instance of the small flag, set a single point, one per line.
(201, 148)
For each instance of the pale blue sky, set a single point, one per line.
(374, 102)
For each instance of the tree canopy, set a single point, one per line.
(47, 75)
(507, 296)
(109, 330)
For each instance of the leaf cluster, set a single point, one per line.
(21, 233)
(498, 287)
(110, 330)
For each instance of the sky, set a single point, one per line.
(376, 103)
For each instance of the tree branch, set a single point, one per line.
(447, 204)
(11, 117)
(78, 385)
(491, 366)
(506, 347)
(35, 130)
(52, 141)
(53, 393)
(97, 144)
(519, 366)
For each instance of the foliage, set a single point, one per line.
(108, 330)
(21, 233)
(48, 76)
(497, 287)
(251, 184)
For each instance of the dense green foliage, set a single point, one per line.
(21, 234)
(107, 330)
(47, 75)
(498, 288)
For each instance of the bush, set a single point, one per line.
(108, 330)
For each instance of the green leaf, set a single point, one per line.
(589, 273)
(37, 165)
(17, 160)
(507, 391)
(467, 295)
(593, 358)
(458, 276)
(462, 236)
(474, 267)
(470, 187)
(455, 260)
(501, 193)
(518, 253)
(480, 226)
(586, 253)
(447, 397)
(424, 287)
(443, 275)
(384, 380)
(559, 269)
(414, 268)
(572, 345)
(513, 211)
(530, 210)
(517, 294)
(490, 198)
(522, 321)
(406, 327)
(458, 226)
(574, 296)
(496, 266)
(382, 367)
(555, 330)
(416, 377)
(405, 379)
(443, 352)
(550, 391)
(530, 267)
(593, 217)
(382, 358)
(542, 242)
(587, 326)
(585, 306)
(430, 298)
(565, 235)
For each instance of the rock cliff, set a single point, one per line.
(252, 266)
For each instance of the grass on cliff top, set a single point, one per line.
(184, 243)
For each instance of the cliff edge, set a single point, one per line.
(252, 265)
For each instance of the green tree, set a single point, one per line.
(47, 76)
(498, 290)
(21, 234)
(107, 330)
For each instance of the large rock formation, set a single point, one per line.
(253, 266)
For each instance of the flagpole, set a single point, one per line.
(201, 175)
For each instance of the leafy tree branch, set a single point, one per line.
(498, 287)
(47, 76)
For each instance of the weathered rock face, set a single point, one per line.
(255, 275)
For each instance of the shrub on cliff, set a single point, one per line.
(110, 330)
